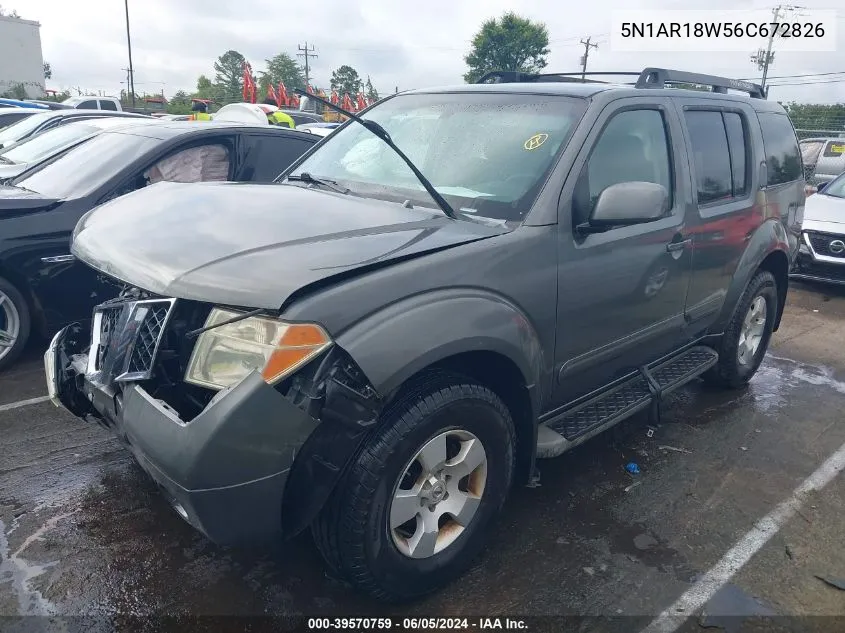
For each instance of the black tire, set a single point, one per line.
(729, 372)
(22, 310)
(352, 531)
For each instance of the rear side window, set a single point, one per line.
(270, 155)
(108, 105)
(720, 154)
(835, 149)
(783, 158)
(91, 104)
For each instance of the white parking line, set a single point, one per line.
(735, 559)
(23, 403)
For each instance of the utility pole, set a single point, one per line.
(307, 53)
(131, 85)
(764, 58)
(587, 47)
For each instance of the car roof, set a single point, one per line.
(164, 130)
(590, 90)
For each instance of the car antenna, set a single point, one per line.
(379, 131)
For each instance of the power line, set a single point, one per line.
(840, 72)
(809, 83)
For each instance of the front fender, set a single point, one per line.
(398, 341)
(769, 237)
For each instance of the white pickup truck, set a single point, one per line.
(93, 103)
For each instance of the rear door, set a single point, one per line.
(725, 156)
(621, 292)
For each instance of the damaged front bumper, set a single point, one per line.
(225, 471)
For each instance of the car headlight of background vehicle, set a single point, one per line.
(226, 354)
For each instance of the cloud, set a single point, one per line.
(398, 44)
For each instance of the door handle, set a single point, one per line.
(675, 247)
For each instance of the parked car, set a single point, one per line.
(8, 116)
(822, 252)
(48, 119)
(41, 287)
(824, 158)
(16, 159)
(320, 129)
(383, 344)
(94, 102)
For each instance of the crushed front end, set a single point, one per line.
(222, 445)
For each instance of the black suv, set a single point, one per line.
(455, 283)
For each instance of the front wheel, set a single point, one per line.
(413, 510)
(14, 324)
(744, 343)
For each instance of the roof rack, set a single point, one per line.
(648, 78)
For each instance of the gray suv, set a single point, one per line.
(455, 283)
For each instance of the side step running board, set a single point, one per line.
(638, 393)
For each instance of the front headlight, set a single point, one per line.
(226, 354)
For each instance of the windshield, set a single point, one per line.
(487, 154)
(23, 127)
(47, 144)
(836, 188)
(88, 166)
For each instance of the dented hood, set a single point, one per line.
(253, 245)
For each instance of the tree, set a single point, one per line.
(281, 68)
(370, 91)
(509, 43)
(346, 79)
(228, 80)
(17, 91)
(179, 103)
(816, 116)
(48, 71)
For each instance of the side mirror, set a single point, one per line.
(627, 203)
(821, 186)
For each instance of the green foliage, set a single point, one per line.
(816, 116)
(48, 71)
(369, 90)
(346, 79)
(228, 79)
(507, 43)
(179, 103)
(17, 91)
(281, 67)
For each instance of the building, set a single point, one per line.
(21, 60)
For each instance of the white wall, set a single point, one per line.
(21, 60)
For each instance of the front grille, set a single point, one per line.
(821, 270)
(129, 336)
(108, 329)
(146, 341)
(821, 243)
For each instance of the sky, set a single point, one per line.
(397, 43)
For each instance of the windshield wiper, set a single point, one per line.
(6, 161)
(380, 132)
(306, 177)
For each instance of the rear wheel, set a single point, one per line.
(413, 510)
(14, 324)
(744, 343)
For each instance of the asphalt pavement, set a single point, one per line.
(711, 526)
